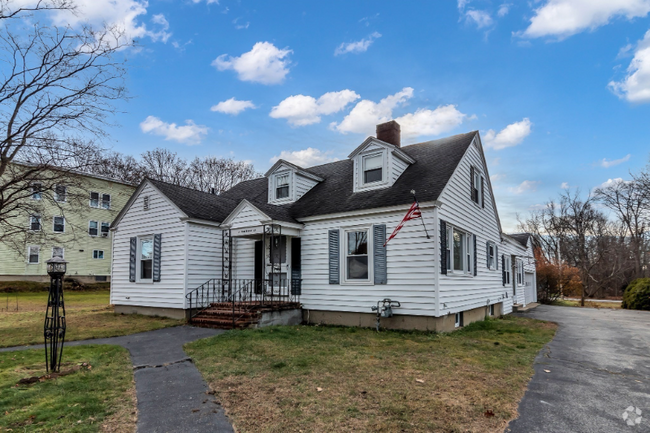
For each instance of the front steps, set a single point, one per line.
(518, 308)
(220, 315)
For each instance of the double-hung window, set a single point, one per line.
(94, 199)
(145, 251)
(59, 224)
(106, 201)
(373, 166)
(282, 186)
(491, 255)
(460, 251)
(105, 229)
(92, 228)
(35, 223)
(33, 254)
(57, 252)
(507, 268)
(356, 256)
(60, 193)
(37, 189)
(98, 254)
(520, 272)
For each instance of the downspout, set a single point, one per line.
(437, 256)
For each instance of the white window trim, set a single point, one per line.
(98, 258)
(53, 223)
(520, 273)
(56, 196)
(138, 260)
(450, 246)
(494, 254)
(274, 186)
(101, 201)
(507, 268)
(344, 255)
(491, 310)
(481, 193)
(99, 228)
(40, 191)
(62, 252)
(40, 223)
(360, 185)
(90, 199)
(96, 222)
(38, 249)
(458, 318)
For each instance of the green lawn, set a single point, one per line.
(99, 398)
(322, 379)
(88, 315)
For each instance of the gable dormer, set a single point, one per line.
(288, 182)
(379, 162)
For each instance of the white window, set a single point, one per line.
(92, 228)
(98, 254)
(145, 252)
(507, 267)
(59, 224)
(491, 255)
(105, 229)
(373, 167)
(106, 201)
(58, 252)
(145, 202)
(282, 186)
(357, 266)
(35, 223)
(94, 199)
(520, 272)
(37, 189)
(60, 193)
(491, 310)
(33, 254)
(458, 320)
(460, 251)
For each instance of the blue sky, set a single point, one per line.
(559, 89)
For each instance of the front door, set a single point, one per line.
(278, 266)
(530, 288)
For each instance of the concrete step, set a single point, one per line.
(518, 308)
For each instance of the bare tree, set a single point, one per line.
(163, 164)
(57, 92)
(219, 174)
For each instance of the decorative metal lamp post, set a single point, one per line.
(54, 327)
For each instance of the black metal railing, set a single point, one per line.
(243, 295)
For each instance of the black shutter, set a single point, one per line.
(503, 269)
(471, 184)
(496, 256)
(132, 252)
(487, 254)
(482, 192)
(379, 253)
(156, 257)
(443, 247)
(296, 267)
(334, 261)
(475, 257)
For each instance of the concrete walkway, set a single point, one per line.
(172, 395)
(596, 367)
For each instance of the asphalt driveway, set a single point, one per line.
(596, 367)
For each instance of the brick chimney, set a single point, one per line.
(389, 132)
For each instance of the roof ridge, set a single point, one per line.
(187, 188)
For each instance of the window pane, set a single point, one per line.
(92, 228)
(372, 175)
(282, 180)
(145, 269)
(282, 192)
(59, 225)
(94, 199)
(57, 252)
(458, 250)
(357, 267)
(357, 243)
(59, 192)
(146, 249)
(105, 227)
(372, 162)
(106, 201)
(33, 254)
(36, 191)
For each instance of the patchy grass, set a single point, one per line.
(35, 286)
(88, 315)
(98, 399)
(322, 379)
(588, 304)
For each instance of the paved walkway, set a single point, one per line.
(172, 395)
(598, 366)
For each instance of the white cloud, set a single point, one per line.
(564, 185)
(504, 9)
(240, 26)
(509, 136)
(611, 182)
(301, 110)
(365, 116)
(480, 18)
(265, 64)
(606, 163)
(357, 47)
(497, 177)
(563, 18)
(635, 87)
(525, 186)
(232, 106)
(216, 2)
(306, 157)
(124, 15)
(426, 122)
(462, 4)
(190, 133)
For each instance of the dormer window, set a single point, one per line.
(282, 186)
(373, 168)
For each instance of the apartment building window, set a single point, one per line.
(94, 199)
(60, 193)
(33, 254)
(98, 254)
(106, 201)
(59, 224)
(105, 229)
(37, 191)
(57, 252)
(92, 228)
(35, 223)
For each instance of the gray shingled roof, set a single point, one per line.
(522, 238)
(435, 163)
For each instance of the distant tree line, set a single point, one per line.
(602, 239)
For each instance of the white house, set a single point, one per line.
(314, 237)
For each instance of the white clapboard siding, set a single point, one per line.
(397, 167)
(247, 216)
(515, 293)
(203, 254)
(460, 293)
(243, 265)
(164, 218)
(410, 263)
(302, 185)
